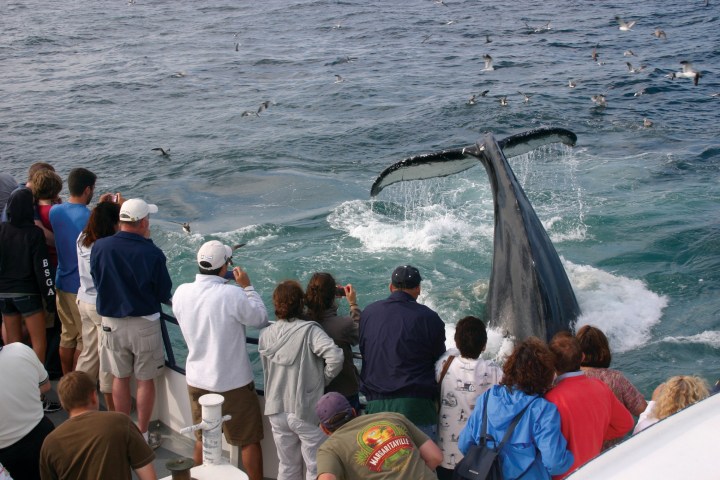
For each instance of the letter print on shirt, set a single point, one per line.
(384, 446)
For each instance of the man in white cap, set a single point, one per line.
(132, 280)
(213, 316)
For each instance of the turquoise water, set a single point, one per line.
(633, 211)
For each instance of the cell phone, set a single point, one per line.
(340, 292)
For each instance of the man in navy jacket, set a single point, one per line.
(132, 280)
(400, 341)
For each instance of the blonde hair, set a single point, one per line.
(680, 392)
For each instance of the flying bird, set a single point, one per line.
(594, 53)
(647, 123)
(572, 83)
(339, 79)
(526, 97)
(658, 33)
(161, 151)
(628, 53)
(426, 37)
(487, 39)
(503, 101)
(687, 72)
(488, 63)
(634, 69)
(625, 26)
(263, 106)
(599, 100)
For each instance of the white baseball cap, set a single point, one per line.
(136, 209)
(213, 255)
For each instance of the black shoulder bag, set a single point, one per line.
(482, 462)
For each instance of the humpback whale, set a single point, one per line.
(530, 293)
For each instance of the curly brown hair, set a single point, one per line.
(319, 295)
(288, 299)
(595, 347)
(530, 368)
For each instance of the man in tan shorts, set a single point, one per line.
(132, 280)
(213, 316)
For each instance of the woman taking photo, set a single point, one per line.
(320, 299)
(103, 222)
(299, 359)
(536, 448)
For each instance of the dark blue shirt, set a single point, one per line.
(130, 275)
(400, 341)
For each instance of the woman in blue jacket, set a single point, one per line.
(536, 449)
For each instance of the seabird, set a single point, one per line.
(441, 2)
(639, 92)
(449, 22)
(178, 75)
(526, 97)
(484, 92)
(628, 53)
(248, 113)
(599, 100)
(263, 106)
(426, 37)
(572, 83)
(625, 26)
(539, 29)
(488, 62)
(162, 151)
(487, 39)
(594, 53)
(339, 79)
(471, 101)
(687, 72)
(716, 95)
(635, 69)
(647, 123)
(660, 34)
(237, 47)
(503, 101)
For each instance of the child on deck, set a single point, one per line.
(463, 377)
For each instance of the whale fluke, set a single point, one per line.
(530, 293)
(449, 162)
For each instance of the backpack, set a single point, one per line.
(481, 461)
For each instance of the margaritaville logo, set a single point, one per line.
(384, 446)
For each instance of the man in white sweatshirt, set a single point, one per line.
(213, 316)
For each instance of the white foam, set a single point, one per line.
(426, 229)
(708, 337)
(624, 308)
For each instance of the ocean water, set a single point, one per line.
(633, 211)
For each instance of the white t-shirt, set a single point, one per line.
(646, 418)
(464, 382)
(21, 375)
(213, 316)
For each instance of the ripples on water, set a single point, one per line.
(632, 210)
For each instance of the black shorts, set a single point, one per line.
(24, 305)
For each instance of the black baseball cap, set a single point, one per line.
(406, 276)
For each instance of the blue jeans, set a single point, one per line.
(430, 431)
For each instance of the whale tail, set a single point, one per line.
(530, 293)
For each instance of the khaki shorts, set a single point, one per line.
(131, 345)
(245, 427)
(67, 309)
